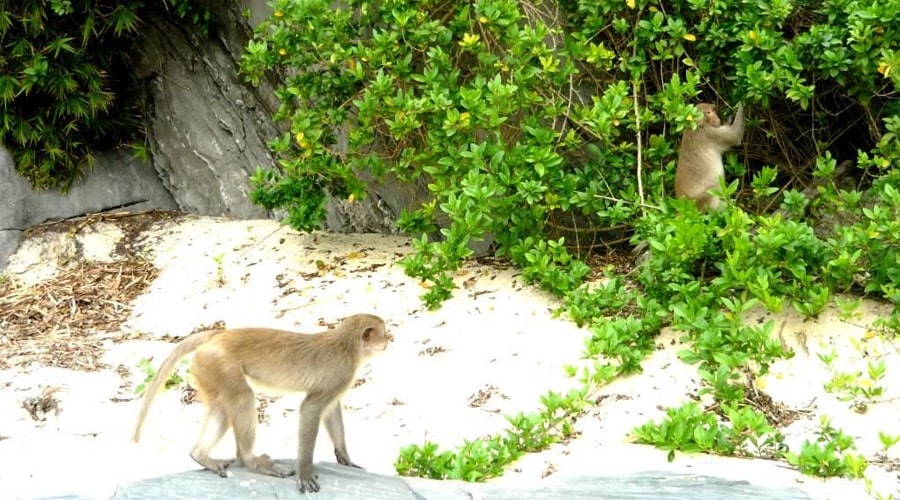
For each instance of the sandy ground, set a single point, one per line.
(450, 375)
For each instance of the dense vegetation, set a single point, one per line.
(533, 122)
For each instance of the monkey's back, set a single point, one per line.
(699, 169)
(280, 361)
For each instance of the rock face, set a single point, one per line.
(118, 182)
(208, 131)
(378, 212)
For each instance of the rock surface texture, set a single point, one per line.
(118, 182)
(345, 483)
(208, 131)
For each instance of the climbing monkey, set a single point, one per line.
(227, 362)
(700, 159)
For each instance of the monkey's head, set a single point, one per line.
(710, 117)
(373, 333)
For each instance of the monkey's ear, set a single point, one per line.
(367, 334)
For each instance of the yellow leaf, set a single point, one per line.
(483, 20)
(754, 37)
(690, 37)
(282, 52)
(278, 13)
(356, 255)
(469, 39)
(351, 198)
(630, 3)
(301, 140)
(869, 334)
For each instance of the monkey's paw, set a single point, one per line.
(214, 464)
(310, 484)
(343, 459)
(265, 465)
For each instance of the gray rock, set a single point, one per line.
(208, 130)
(117, 182)
(344, 483)
(9, 242)
(47, 465)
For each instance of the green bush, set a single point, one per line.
(517, 125)
(60, 73)
(66, 81)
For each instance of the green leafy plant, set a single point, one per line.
(482, 459)
(220, 269)
(146, 366)
(689, 429)
(861, 389)
(59, 83)
(887, 441)
(830, 455)
(686, 428)
(67, 84)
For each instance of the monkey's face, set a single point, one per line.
(710, 117)
(376, 339)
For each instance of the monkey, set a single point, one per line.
(700, 158)
(229, 363)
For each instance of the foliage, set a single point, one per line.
(485, 458)
(58, 81)
(689, 429)
(860, 388)
(468, 98)
(66, 82)
(830, 455)
(145, 366)
(476, 100)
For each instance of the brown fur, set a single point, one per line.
(700, 158)
(227, 362)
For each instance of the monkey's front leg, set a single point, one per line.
(310, 418)
(334, 424)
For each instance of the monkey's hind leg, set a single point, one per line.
(243, 418)
(334, 424)
(240, 405)
(214, 427)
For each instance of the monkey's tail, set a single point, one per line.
(185, 347)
